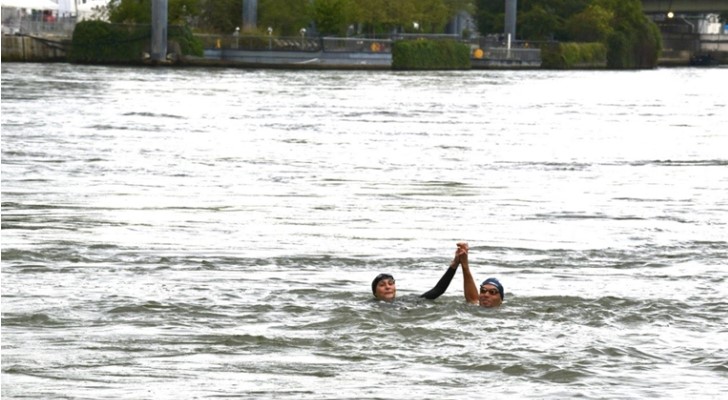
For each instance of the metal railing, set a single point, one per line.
(356, 45)
(291, 43)
(521, 54)
(259, 43)
(63, 27)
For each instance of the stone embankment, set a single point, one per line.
(22, 48)
(33, 49)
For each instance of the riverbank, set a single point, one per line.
(326, 54)
(18, 48)
(34, 49)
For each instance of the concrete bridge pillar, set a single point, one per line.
(510, 20)
(250, 15)
(159, 31)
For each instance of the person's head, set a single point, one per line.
(384, 288)
(491, 293)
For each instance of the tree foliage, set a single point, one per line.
(331, 17)
(286, 17)
(593, 24)
(140, 11)
(540, 23)
(328, 17)
(219, 16)
(632, 40)
(635, 41)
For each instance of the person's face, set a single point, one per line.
(386, 289)
(489, 296)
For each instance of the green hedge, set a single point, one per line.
(424, 54)
(574, 55)
(101, 42)
(104, 43)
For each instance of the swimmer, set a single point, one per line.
(384, 286)
(491, 291)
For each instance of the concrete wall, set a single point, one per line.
(24, 48)
(300, 59)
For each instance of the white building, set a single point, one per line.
(83, 9)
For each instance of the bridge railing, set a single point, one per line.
(482, 48)
(356, 45)
(62, 27)
(259, 43)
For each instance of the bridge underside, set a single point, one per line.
(685, 6)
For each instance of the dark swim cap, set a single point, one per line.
(496, 283)
(376, 280)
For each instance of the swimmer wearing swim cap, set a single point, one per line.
(491, 293)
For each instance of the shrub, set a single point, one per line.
(574, 55)
(101, 42)
(424, 54)
(98, 42)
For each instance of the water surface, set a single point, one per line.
(207, 233)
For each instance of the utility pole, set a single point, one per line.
(159, 30)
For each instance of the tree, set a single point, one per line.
(220, 16)
(331, 17)
(636, 41)
(375, 16)
(286, 17)
(594, 24)
(431, 15)
(130, 12)
(539, 23)
(140, 11)
(490, 16)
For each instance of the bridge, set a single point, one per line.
(684, 6)
(681, 42)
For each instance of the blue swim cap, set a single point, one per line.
(496, 283)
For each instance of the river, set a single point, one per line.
(208, 233)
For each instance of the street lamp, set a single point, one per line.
(416, 25)
(303, 33)
(237, 36)
(270, 32)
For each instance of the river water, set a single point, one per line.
(212, 233)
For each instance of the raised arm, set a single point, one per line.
(444, 281)
(470, 290)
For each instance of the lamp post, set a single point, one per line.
(303, 34)
(237, 36)
(270, 40)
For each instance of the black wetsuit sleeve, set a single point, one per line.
(441, 286)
